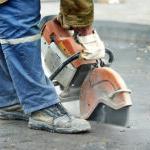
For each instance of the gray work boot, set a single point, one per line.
(13, 112)
(56, 119)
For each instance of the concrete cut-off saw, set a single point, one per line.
(90, 89)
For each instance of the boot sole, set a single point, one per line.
(13, 116)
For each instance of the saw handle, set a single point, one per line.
(110, 60)
(112, 95)
(63, 65)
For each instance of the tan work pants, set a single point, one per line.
(76, 13)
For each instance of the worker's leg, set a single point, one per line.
(9, 103)
(34, 90)
(76, 13)
(7, 91)
(20, 41)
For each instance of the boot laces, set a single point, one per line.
(57, 110)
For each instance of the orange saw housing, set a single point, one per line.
(99, 85)
(53, 32)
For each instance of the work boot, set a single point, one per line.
(56, 119)
(13, 112)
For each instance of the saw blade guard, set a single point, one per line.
(103, 85)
